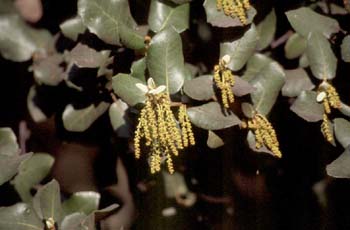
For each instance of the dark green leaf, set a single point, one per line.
(266, 30)
(31, 172)
(345, 49)
(267, 83)
(323, 62)
(48, 71)
(19, 217)
(200, 88)
(214, 141)
(117, 115)
(307, 107)
(125, 87)
(111, 21)
(165, 60)
(254, 66)
(342, 131)
(9, 166)
(71, 28)
(210, 116)
(18, 40)
(8, 142)
(180, 1)
(164, 14)
(304, 20)
(47, 202)
(84, 202)
(295, 46)
(240, 50)
(138, 69)
(74, 222)
(218, 18)
(340, 167)
(297, 81)
(79, 120)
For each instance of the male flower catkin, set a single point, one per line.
(158, 127)
(234, 8)
(224, 80)
(264, 133)
(329, 97)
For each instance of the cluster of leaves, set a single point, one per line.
(260, 80)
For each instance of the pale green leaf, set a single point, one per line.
(165, 60)
(248, 110)
(79, 120)
(241, 49)
(340, 167)
(47, 202)
(251, 143)
(9, 166)
(71, 28)
(323, 62)
(125, 87)
(342, 131)
(210, 116)
(117, 115)
(266, 30)
(306, 107)
(304, 61)
(84, 202)
(200, 88)
(214, 141)
(219, 19)
(304, 20)
(267, 85)
(164, 14)
(254, 66)
(295, 46)
(73, 222)
(138, 69)
(111, 21)
(31, 172)
(345, 49)
(8, 142)
(297, 81)
(86, 57)
(48, 71)
(19, 217)
(35, 112)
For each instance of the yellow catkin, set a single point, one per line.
(234, 8)
(160, 131)
(224, 81)
(326, 129)
(265, 134)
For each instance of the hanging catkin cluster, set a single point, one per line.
(224, 80)
(328, 96)
(161, 132)
(265, 134)
(234, 8)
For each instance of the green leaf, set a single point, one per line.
(331, 8)
(125, 87)
(86, 57)
(340, 167)
(71, 28)
(242, 87)
(345, 109)
(254, 66)
(83, 202)
(342, 131)
(304, 61)
(200, 88)
(90, 220)
(180, 1)
(165, 60)
(267, 83)
(266, 30)
(240, 50)
(214, 141)
(306, 107)
(138, 69)
(9, 166)
(117, 115)
(74, 222)
(219, 19)
(33, 109)
(18, 41)
(304, 20)
(297, 81)
(210, 116)
(111, 21)
(8, 142)
(31, 172)
(47, 202)
(345, 49)
(248, 110)
(323, 62)
(164, 14)
(295, 46)
(251, 143)
(19, 217)
(79, 120)
(48, 71)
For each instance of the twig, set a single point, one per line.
(279, 41)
